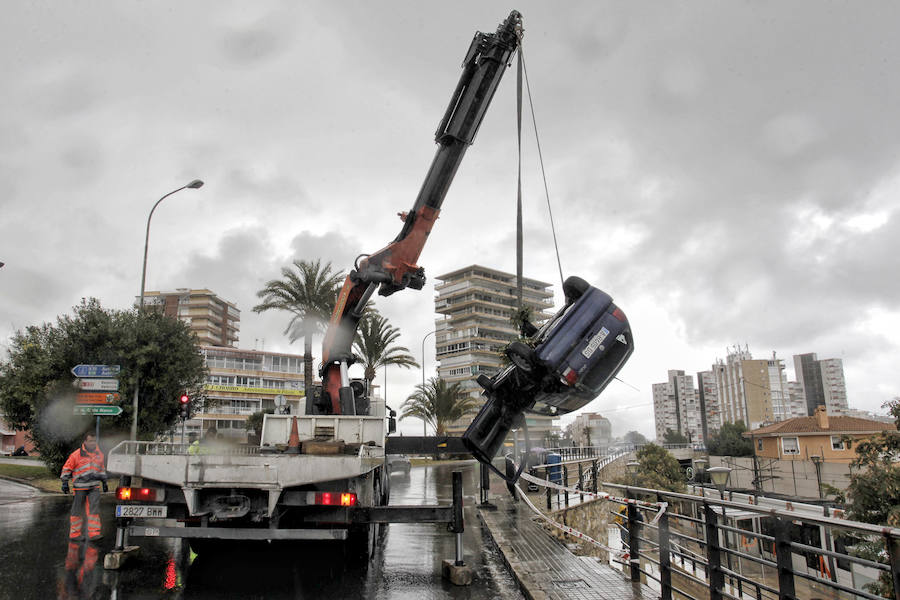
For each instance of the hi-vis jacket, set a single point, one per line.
(84, 468)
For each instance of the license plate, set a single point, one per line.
(141, 511)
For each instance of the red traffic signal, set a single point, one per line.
(185, 399)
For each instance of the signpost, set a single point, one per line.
(98, 385)
(96, 370)
(96, 409)
(102, 384)
(97, 398)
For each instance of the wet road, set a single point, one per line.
(36, 560)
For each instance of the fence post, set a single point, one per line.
(783, 559)
(580, 483)
(566, 483)
(713, 554)
(594, 473)
(893, 548)
(665, 566)
(547, 477)
(634, 547)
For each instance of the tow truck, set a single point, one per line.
(322, 475)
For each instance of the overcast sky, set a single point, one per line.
(728, 172)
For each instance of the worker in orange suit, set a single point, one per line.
(84, 468)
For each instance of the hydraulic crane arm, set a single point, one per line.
(394, 267)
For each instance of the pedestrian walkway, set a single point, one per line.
(544, 567)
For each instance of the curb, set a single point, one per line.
(26, 483)
(523, 586)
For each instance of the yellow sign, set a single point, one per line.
(250, 390)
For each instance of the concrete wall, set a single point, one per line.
(791, 477)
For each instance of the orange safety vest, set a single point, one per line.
(84, 468)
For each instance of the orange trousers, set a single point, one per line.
(85, 504)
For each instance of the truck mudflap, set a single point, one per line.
(237, 533)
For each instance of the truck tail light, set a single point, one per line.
(139, 494)
(334, 498)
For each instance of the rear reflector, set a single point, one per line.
(333, 498)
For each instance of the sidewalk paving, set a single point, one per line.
(544, 567)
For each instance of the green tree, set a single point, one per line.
(374, 344)
(255, 421)
(873, 495)
(729, 441)
(673, 437)
(659, 470)
(36, 385)
(308, 292)
(438, 403)
(635, 437)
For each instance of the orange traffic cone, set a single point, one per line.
(294, 440)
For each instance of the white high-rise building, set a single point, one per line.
(677, 407)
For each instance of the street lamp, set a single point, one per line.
(699, 466)
(424, 422)
(632, 469)
(719, 477)
(817, 461)
(137, 383)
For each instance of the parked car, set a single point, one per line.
(398, 463)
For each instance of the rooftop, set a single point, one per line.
(835, 424)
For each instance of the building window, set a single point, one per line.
(759, 445)
(837, 443)
(790, 445)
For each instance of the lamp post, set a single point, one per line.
(719, 477)
(817, 461)
(632, 469)
(700, 466)
(425, 337)
(137, 382)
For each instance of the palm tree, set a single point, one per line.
(438, 404)
(309, 294)
(373, 345)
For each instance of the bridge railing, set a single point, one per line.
(701, 547)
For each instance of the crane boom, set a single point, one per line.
(395, 267)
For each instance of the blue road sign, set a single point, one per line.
(96, 370)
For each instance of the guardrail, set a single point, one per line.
(741, 550)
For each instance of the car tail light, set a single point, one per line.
(570, 376)
(334, 498)
(139, 494)
(619, 315)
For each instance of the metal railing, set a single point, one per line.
(129, 447)
(577, 473)
(707, 548)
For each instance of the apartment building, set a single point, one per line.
(214, 320)
(677, 407)
(242, 382)
(710, 412)
(591, 429)
(822, 382)
(476, 305)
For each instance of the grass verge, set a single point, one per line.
(35, 476)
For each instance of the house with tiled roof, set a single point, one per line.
(819, 435)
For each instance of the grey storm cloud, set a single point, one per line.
(731, 168)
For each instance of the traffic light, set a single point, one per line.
(185, 405)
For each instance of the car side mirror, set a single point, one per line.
(392, 425)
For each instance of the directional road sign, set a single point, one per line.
(105, 385)
(97, 398)
(96, 370)
(98, 410)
